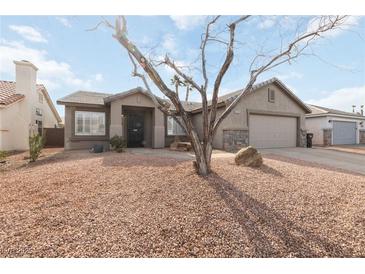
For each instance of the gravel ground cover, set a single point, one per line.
(76, 204)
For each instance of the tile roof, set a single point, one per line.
(7, 93)
(317, 110)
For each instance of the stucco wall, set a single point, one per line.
(137, 100)
(14, 128)
(316, 125)
(256, 101)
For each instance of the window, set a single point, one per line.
(38, 111)
(173, 127)
(271, 95)
(89, 123)
(40, 98)
(39, 127)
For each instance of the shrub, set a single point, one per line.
(118, 143)
(3, 155)
(36, 143)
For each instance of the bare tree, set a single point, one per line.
(260, 63)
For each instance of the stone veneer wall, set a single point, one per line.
(235, 139)
(302, 138)
(327, 137)
(362, 136)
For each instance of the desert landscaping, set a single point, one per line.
(77, 204)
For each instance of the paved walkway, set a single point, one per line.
(338, 159)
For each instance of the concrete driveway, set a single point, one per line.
(331, 158)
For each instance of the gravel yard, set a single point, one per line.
(76, 204)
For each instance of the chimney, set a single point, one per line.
(26, 77)
(362, 110)
(353, 108)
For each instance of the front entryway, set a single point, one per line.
(138, 126)
(135, 128)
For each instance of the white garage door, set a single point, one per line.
(344, 133)
(272, 131)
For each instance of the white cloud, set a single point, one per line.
(28, 33)
(267, 23)
(342, 99)
(52, 73)
(187, 22)
(64, 21)
(348, 22)
(99, 77)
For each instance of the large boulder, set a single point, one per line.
(248, 156)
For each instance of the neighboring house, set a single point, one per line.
(335, 127)
(25, 106)
(269, 115)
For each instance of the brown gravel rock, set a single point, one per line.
(125, 205)
(248, 156)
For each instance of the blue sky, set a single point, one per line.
(70, 58)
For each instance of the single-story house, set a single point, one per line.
(269, 115)
(25, 106)
(335, 127)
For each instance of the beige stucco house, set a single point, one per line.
(24, 106)
(269, 115)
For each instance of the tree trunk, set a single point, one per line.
(201, 163)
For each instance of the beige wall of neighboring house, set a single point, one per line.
(13, 127)
(18, 118)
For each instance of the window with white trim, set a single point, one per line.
(173, 127)
(89, 123)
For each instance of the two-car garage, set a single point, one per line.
(270, 131)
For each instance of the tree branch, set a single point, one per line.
(226, 64)
(306, 37)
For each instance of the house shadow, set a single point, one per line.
(266, 229)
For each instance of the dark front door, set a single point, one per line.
(135, 129)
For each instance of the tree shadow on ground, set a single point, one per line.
(271, 234)
(271, 171)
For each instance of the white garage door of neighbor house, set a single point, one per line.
(272, 131)
(344, 133)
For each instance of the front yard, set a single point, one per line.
(77, 204)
